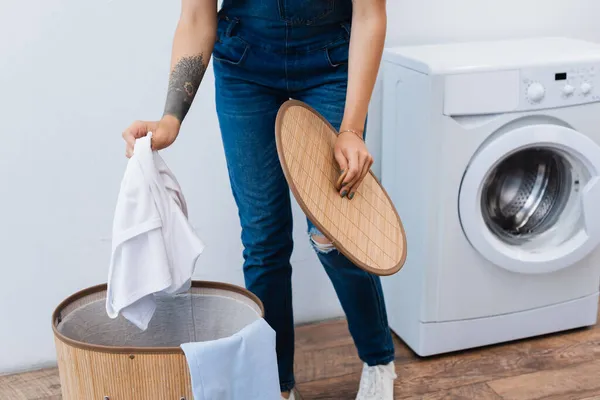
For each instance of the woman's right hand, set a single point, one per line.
(164, 133)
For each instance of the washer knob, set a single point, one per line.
(536, 92)
(568, 90)
(586, 88)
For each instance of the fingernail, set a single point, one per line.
(344, 193)
(351, 196)
(344, 184)
(342, 172)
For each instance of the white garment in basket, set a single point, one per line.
(241, 366)
(154, 247)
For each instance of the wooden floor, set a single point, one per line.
(563, 366)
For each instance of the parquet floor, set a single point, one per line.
(563, 366)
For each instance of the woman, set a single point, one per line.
(327, 54)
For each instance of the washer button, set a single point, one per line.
(536, 92)
(586, 88)
(568, 90)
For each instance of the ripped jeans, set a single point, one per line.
(259, 63)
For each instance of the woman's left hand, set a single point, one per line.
(354, 159)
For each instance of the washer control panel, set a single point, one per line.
(560, 86)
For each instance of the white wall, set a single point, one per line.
(74, 74)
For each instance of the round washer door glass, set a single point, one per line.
(529, 199)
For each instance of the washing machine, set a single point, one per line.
(491, 153)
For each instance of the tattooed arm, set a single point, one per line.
(183, 84)
(192, 46)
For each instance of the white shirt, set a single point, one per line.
(154, 247)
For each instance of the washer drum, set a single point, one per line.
(526, 193)
(111, 359)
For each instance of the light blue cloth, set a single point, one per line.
(239, 367)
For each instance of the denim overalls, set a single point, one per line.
(268, 51)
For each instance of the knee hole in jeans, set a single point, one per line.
(321, 244)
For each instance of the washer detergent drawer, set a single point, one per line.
(481, 93)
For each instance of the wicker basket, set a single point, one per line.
(106, 359)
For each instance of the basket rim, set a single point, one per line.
(286, 172)
(137, 350)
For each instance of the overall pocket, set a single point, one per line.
(229, 48)
(338, 53)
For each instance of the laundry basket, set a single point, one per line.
(111, 359)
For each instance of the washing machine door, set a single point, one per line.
(530, 199)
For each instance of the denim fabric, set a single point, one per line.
(269, 51)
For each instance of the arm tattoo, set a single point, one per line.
(183, 85)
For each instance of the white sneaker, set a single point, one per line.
(377, 382)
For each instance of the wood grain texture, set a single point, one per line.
(342, 387)
(326, 350)
(563, 366)
(367, 229)
(35, 385)
(479, 391)
(324, 335)
(482, 365)
(577, 382)
(122, 376)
